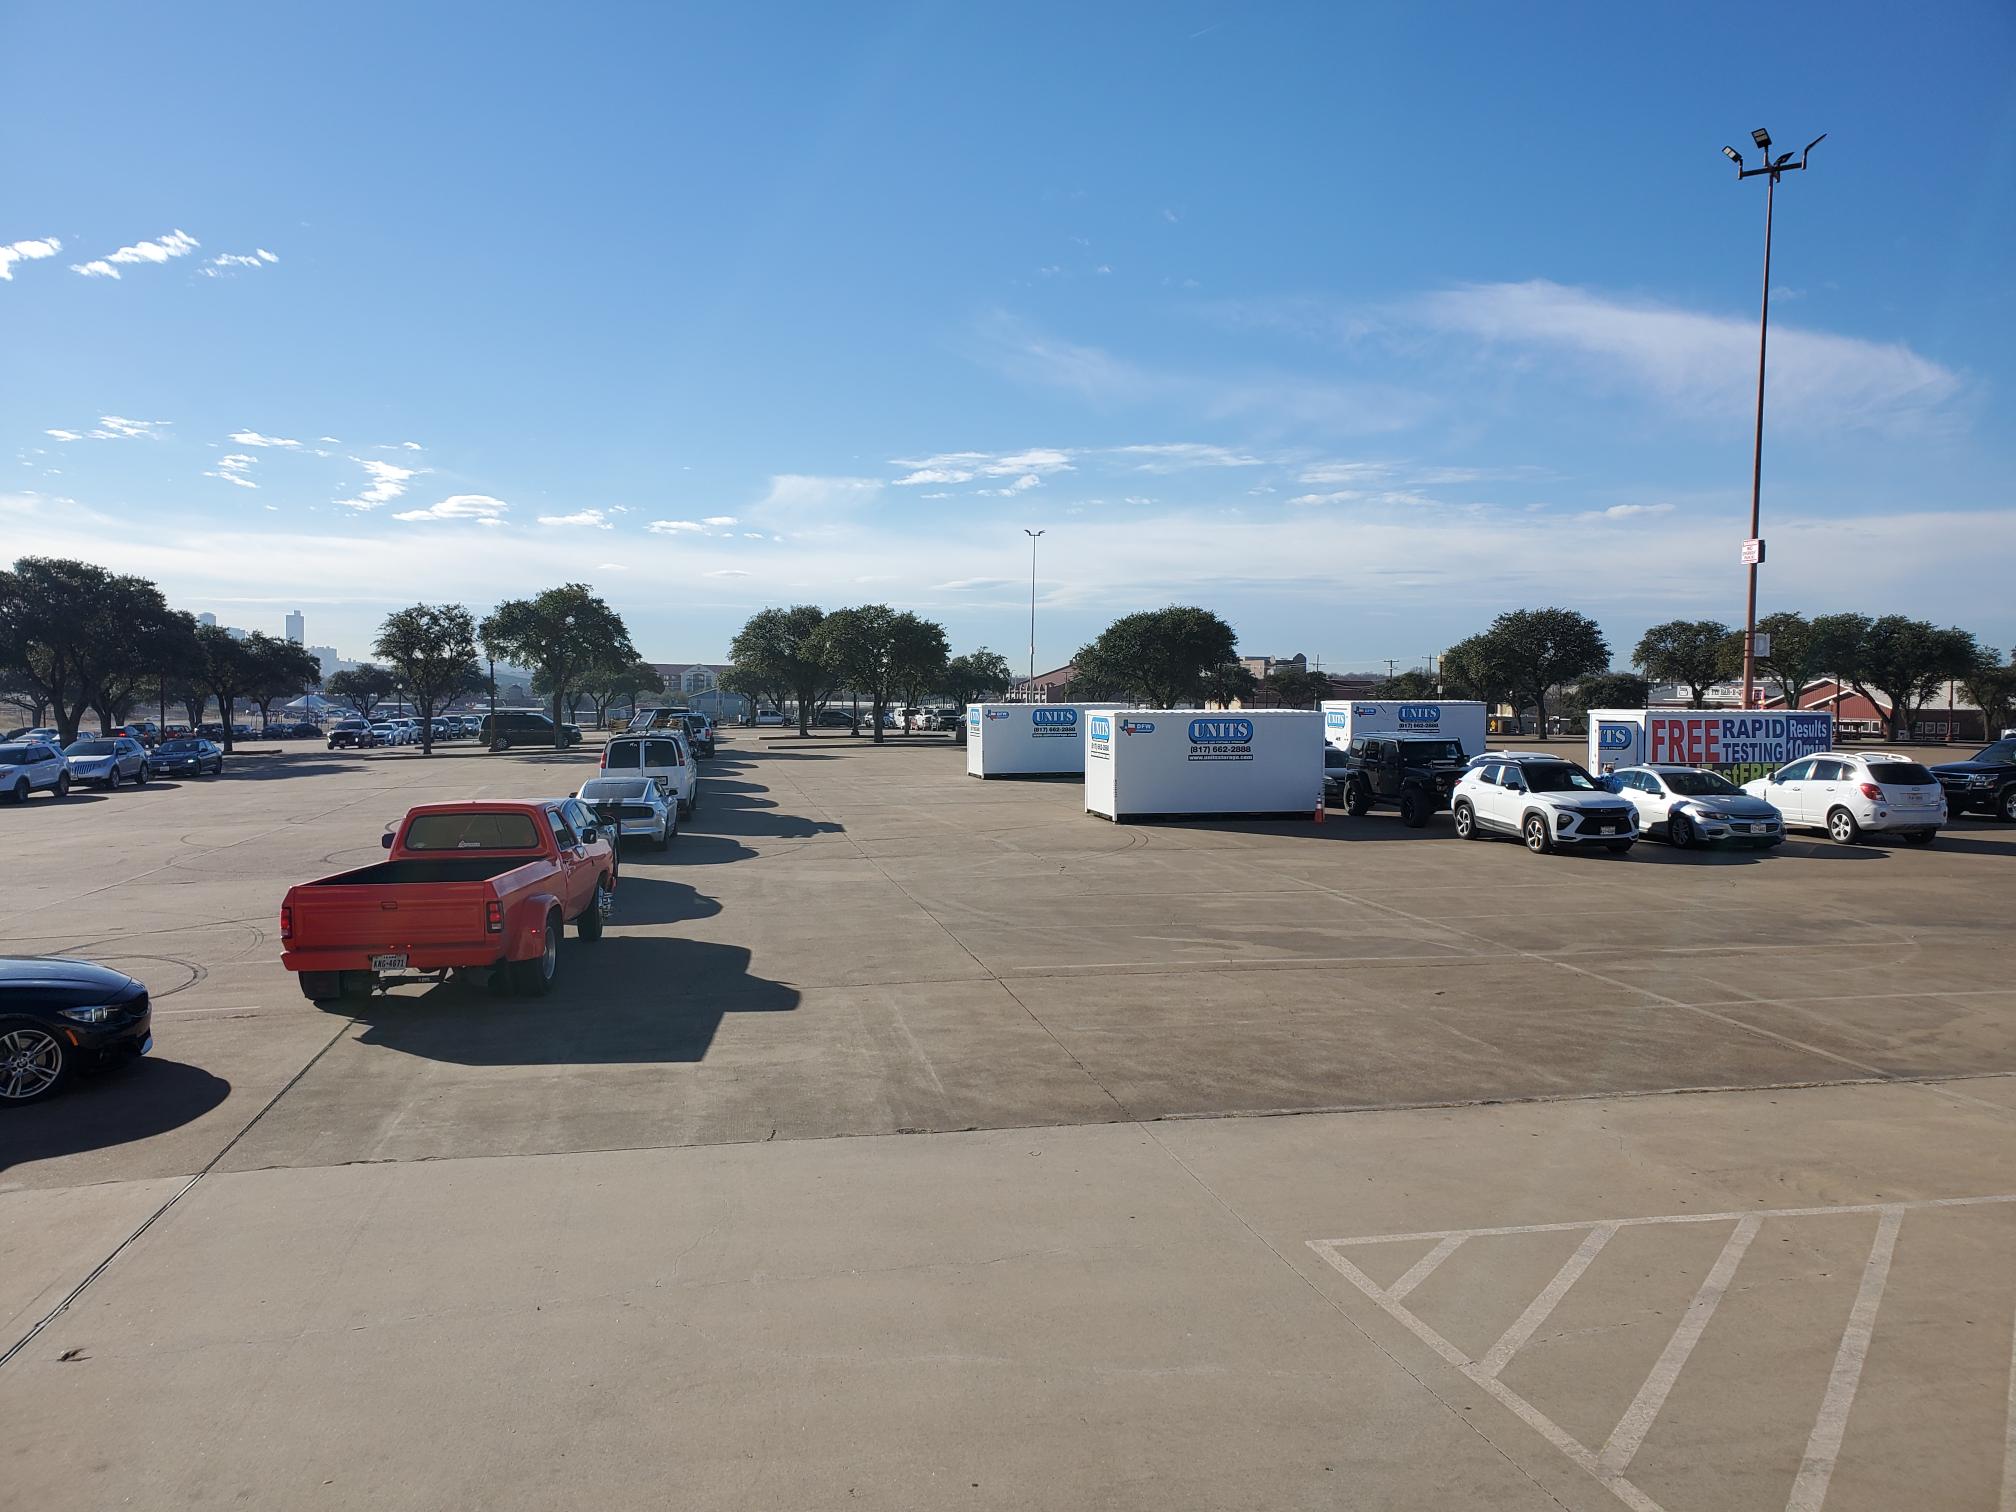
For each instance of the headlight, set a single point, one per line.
(1716, 814)
(1981, 779)
(96, 1015)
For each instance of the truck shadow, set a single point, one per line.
(138, 1100)
(623, 1000)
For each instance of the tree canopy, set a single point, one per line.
(880, 651)
(775, 658)
(432, 648)
(1159, 656)
(1528, 651)
(362, 687)
(1696, 654)
(559, 633)
(975, 675)
(1903, 660)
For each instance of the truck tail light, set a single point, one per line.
(286, 921)
(493, 917)
(1872, 792)
(604, 763)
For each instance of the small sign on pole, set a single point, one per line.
(1760, 644)
(1753, 551)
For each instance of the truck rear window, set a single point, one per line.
(463, 832)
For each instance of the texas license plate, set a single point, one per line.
(1758, 829)
(388, 963)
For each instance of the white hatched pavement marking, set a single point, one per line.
(1823, 1444)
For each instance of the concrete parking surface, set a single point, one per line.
(917, 1142)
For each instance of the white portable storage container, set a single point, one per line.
(1140, 762)
(1451, 719)
(1026, 740)
(1741, 745)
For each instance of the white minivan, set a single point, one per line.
(662, 756)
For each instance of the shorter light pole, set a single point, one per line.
(1034, 537)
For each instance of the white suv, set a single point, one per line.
(1544, 800)
(1851, 794)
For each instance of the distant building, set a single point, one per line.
(206, 618)
(1044, 687)
(297, 627)
(331, 660)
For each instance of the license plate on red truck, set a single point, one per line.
(387, 962)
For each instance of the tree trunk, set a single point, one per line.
(427, 726)
(559, 730)
(875, 712)
(226, 714)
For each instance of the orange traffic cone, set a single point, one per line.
(1320, 806)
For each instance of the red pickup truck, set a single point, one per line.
(481, 885)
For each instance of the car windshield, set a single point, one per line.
(1900, 773)
(1700, 784)
(1558, 777)
(2002, 753)
(442, 832)
(90, 748)
(180, 747)
(1431, 750)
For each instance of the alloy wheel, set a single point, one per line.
(31, 1062)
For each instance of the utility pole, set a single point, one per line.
(1753, 547)
(1034, 537)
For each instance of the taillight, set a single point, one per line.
(604, 763)
(493, 917)
(286, 921)
(1872, 792)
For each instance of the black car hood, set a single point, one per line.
(51, 982)
(1969, 768)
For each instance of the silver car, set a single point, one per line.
(108, 763)
(26, 765)
(640, 808)
(1686, 806)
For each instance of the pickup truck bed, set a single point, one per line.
(443, 869)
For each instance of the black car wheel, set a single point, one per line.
(595, 915)
(1356, 799)
(33, 1064)
(534, 978)
(1535, 833)
(1413, 809)
(112, 781)
(1466, 823)
(20, 793)
(63, 786)
(321, 986)
(2007, 807)
(1680, 830)
(1842, 827)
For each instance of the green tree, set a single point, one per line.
(1903, 660)
(1606, 690)
(1409, 685)
(775, 656)
(228, 669)
(1537, 649)
(977, 674)
(1991, 685)
(277, 669)
(1296, 687)
(1228, 683)
(558, 633)
(71, 631)
(432, 648)
(611, 684)
(879, 651)
(1696, 654)
(1475, 667)
(162, 648)
(1159, 656)
(1796, 654)
(362, 687)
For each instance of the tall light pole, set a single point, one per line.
(1034, 536)
(1753, 547)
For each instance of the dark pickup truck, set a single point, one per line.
(1414, 774)
(467, 887)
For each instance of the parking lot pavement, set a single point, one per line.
(670, 1188)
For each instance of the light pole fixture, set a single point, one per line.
(1034, 536)
(1753, 546)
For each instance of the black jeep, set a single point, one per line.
(1413, 773)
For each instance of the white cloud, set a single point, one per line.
(253, 438)
(65, 435)
(752, 535)
(726, 572)
(934, 475)
(481, 508)
(217, 265)
(593, 518)
(964, 467)
(232, 469)
(1173, 456)
(411, 446)
(720, 520)
(961, 585)
(174, 244)
(1346, 472)
(1021, 485)
(118, 428)
(674, 527)
(26, 251)
(1626, 511)
(1705, 363)
(1103, 268)
(612, 567)
(388, 482)
(804, 502)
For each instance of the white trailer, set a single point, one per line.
(1740, 744)
(1143, 762)
(1450, 719)
(1026, 740)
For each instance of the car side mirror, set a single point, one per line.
(385, 840)
(591, 834)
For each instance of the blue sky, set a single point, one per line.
(1355, 324)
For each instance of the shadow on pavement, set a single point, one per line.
(729, 810)
(623, 1000)
(138, 1100)
(642, 898)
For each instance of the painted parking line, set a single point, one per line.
(1609, 1464)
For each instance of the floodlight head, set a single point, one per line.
(1733, 155)
(1762, 138)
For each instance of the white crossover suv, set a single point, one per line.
(1853, 794)
(1544, 800)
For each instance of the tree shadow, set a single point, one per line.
(135, 1100)
(623, 1000)
(730, 811)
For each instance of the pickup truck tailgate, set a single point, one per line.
(389, 917)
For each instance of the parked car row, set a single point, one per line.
(31, 766)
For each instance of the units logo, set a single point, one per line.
(1615, 737)
(1053, 722)
(1336, 719)
(1417, 715)
(1100, 727)
(973, 719)
(1221, 739)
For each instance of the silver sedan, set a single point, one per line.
(1686, 806)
